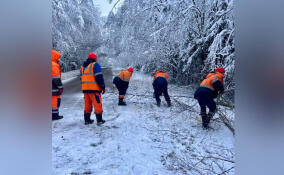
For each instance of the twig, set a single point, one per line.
(190, 167)
(223, 102)
(114, 5)
(219, 166)
(218, 158)
(226, 121)
(227, 170)
(225, 105)
(149, 95)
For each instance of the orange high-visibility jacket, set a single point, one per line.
(56, 73)
(88, 79)
(210, 79)
(160, 74)
(125, 75)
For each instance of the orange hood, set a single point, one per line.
(55, 55)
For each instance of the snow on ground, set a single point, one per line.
(69, 76)
(140, 138)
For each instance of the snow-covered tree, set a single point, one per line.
(76, 30)
(186, 38)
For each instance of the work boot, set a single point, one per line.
(210, 116)
(158, 103)
(121, 102)
(100, 120)
(87, 118)
(169, 103)
(205, 120)
(56, 117)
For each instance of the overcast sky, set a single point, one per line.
(104, 6)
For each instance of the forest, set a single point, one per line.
(188, 39)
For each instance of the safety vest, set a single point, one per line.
(210, 79)
(161, 74)
(88, 78)
(124, 75)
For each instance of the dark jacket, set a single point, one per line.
(121, 85)
(205, 93)
(160, 82)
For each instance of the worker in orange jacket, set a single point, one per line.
(209, 89)
(92, 82)
(160, 85)
(121, 82)
(57, 87)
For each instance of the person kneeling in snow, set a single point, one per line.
(121, 82)
(160, 85)
(92, 82)
(209, 89)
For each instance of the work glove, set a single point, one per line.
(60, 91)
(103, 91)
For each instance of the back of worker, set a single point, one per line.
(160, 85)
(209, 89)
(121, 81)
(92, 83)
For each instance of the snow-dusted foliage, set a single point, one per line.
(76, 30)
(186, 38)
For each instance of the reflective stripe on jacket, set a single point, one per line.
(160, 74)
(210, 79)
(125, 75)
(88, 79)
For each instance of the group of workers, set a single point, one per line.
(93, 86)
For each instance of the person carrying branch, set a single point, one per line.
(121, 81)
(160, 85)
(92, 82)
(209, 89)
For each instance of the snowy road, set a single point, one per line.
(139, 139)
